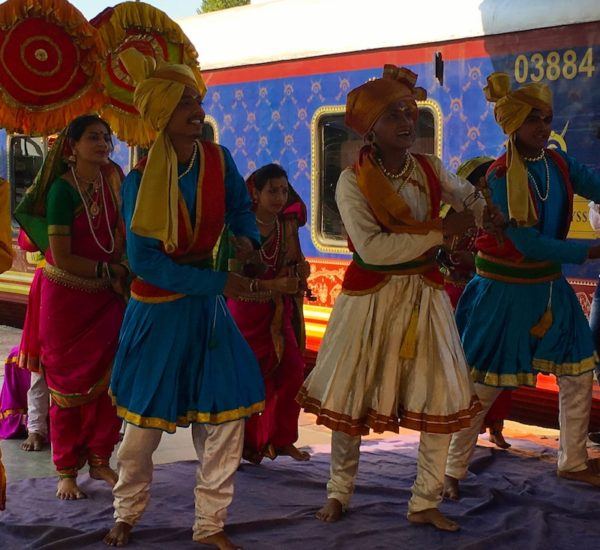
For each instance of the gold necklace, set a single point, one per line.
(400, 173)
(191, 164)
(535, 159)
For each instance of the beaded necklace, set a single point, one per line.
(89, 216)
(543, 198)
(191, 164)
(271, 259)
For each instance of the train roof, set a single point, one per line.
(276, 30)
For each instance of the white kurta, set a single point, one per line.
(360, 382)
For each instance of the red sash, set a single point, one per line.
(195, 241)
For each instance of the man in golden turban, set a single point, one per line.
(181, 360)
(519, 316)
(391, 355)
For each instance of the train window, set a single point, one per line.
(209, 133)
(26, 155)
(334, 147)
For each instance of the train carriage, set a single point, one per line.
(278, 73)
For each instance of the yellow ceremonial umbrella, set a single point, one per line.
(151, 31)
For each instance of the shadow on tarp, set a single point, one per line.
(510, 500)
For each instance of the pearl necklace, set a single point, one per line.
(191, 164)
(535, 185)
(89, 216)
(266, 257)
(396, 175)
(535, 159)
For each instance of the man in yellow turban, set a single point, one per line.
(519, 316)
(391, 355)
(181, 360)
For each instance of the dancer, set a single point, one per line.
(181, 359)
(71, 213)
(273, 322)
(391, 355)
(519, 315)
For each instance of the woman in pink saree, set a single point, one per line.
(272, 322)
(72, 215)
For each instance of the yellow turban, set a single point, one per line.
(511, 109)
(158, 91)
(367, 103)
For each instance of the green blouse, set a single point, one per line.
(62, 203)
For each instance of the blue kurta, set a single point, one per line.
(185, 360)
(494, 317)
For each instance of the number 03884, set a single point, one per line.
(554, 65)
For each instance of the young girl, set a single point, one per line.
(272, 321)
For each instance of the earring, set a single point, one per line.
(72, 159)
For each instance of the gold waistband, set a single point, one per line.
(64, 278)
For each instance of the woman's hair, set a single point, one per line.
(266, 173)
(78, 126)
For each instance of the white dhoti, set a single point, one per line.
(364, 378)
(38, 401)
(575, 400)
(219, 451)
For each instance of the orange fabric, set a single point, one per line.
(365, 104)
(389, 208)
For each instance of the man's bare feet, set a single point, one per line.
(451, 490)
(219, 540)
(331, 511)
(294, 452)
(67, 489)
(119, 534)
(497, 438)
(34, 442)
(104, 473)
(586, 476)
(432, 516)
(252, 456)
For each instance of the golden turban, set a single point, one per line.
(367, 103)
(511, 109)
(158, 91)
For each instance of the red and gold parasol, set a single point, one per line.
(50, 65)
(151, 31)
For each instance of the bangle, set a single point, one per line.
(254, 285)
(99, 268)
(107, 271)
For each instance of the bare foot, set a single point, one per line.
(252, 456)
(331, 511)
(451, 488)
(294, 452)
(67, 489)
(119, 534)
(104, 473)
(34, 442)
(497, 439)
(219, 540)
(587, 476)
(432, 516)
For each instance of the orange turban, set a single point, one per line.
(511, 109)
(367, 103)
